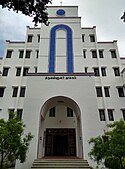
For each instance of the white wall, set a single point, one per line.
(81, 90)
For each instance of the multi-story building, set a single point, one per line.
(64, 84)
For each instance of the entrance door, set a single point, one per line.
(60, 145)
(60, 142)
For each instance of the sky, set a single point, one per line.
(104, 14)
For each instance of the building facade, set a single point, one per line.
(64, 84)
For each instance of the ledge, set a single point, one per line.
(61, 74)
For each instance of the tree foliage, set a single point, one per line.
(109, 148)
(13, 145)
(123, 17)
(32, 8)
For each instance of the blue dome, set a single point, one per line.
(60, 12)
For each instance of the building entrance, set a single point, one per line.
(60, 142)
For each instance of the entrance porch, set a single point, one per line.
(60, 142)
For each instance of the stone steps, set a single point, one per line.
(60, 164)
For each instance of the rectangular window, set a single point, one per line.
(123, 113)
(35, 69)
(2, 89)
(83, 38)
(86, 69)
(121, 91)
(5, 71)
(52, 112)
(28, 53)
(18, 71)
(113, 53)
(94, 54)
(10, 111)
(84, 53)
(37, 54)
(96, 71)
(92, 38)
(38, 38)
(116, 71)
(19, 113)
(69, 112)
(110, 114)
(101, 55)
(103, 70)
(15, 91)
(9, 53)
(99, 91)
(22, 91)
(106, 90)
(21, 52)
(25, 71)
(29, 38)
(102, 114)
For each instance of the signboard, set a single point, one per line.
(60, 77)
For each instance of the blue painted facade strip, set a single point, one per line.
(53, 48)
(52, 52)
(69, 51)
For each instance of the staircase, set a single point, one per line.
(60, 164)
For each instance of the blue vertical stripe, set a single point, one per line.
(53, 46)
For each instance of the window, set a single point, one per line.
(83, 38)
(99, 91)
(18, 71)
(101, 54)
(15, 91)
(2, 91)
(28, 52)
(35, 69)
(25, 71)
(22, 91)
(11, 111)
(123, 113)
(69, 112)
(38, 37)
(94, 54)
(30, 37)
(96, 71)
(21, 52)
(110, 114)
(52, 112)
(106, 90)
(19, 113)
(5, 71)
(121, 91)
(102, 114)
(116, 71)
(103, 70)
(113, 54)
(37, 54)
(86, 69)
(84, 53)
(9, 53)
(92, 38)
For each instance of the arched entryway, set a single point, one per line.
(60, 128)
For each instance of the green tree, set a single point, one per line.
(123, 17)
(109, 149)
(13, 144)
(32, 8)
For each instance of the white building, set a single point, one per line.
(75, 85)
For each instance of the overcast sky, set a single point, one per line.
(104, 14)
